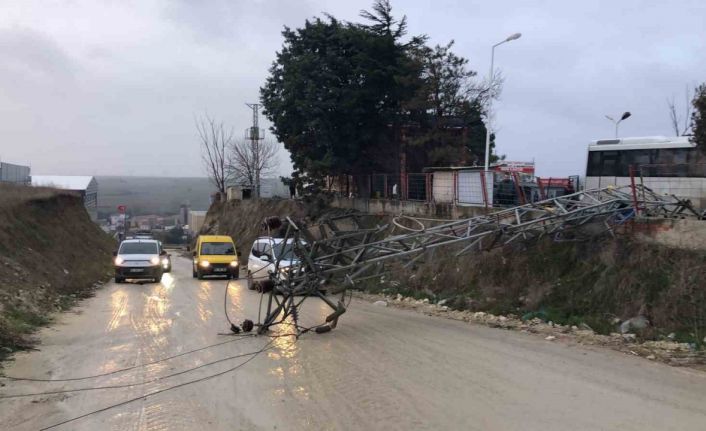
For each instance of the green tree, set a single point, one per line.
(698, 118)
(449, 104)
(335, 89)
(341, 96)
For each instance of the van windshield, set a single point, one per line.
(138, 248)
(218, 248)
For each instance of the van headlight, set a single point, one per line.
(234, 263)
(154, 260)
(204, 264)
(119, 260)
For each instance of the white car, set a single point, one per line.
(261, 261)
(138, 259)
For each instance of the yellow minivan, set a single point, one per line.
(215, 255)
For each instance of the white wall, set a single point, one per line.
(443, 186)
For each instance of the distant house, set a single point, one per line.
(86, 186)
(269, 188)
(17, 174)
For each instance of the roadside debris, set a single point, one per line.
(380, 303)
(636, 323)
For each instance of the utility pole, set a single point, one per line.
(255, 135)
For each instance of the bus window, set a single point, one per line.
(594, 164)
(609, 164)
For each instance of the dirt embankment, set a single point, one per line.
(242, 220)
(50, 254)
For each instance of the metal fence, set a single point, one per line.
(471, 187)
(475, 187)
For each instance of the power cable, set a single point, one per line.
(233, 327)
(142, 397)
(128, 385)
(72, 379)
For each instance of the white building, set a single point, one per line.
(196, 220)
(269, 188)
(86, 186)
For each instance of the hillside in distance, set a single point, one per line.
(152, 195)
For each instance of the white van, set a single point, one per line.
(264, 253)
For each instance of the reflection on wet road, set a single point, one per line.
(380, 369)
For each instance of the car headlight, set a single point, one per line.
(119, 260)
(154, 260)
(204, 264)
(234, 263)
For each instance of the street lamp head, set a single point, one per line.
(625, 116)
(610, 118)
(513, 37)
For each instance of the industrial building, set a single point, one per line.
(86, 186)
(17, 174)
(196, 220)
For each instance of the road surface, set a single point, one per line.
(382, 368)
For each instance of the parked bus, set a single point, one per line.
(666, 165)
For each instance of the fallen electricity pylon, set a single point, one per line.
(339, 252)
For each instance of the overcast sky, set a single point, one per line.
(112, 88)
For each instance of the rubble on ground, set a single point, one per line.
(668, 351)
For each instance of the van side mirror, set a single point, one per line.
(265, 257)
(193, 254)
(115, 252)
(163, 253)
(239, 253)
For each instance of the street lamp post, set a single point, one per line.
(625, 116)
(490, 100)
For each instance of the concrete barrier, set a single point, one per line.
(414, 208)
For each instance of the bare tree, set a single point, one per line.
(485, 92)
(250, 160)
(215, 144)
(680, 129)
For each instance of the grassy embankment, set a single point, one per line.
(596, 283)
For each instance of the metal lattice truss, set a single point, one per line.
(340, 252)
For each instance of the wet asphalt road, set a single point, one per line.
(382, 368)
